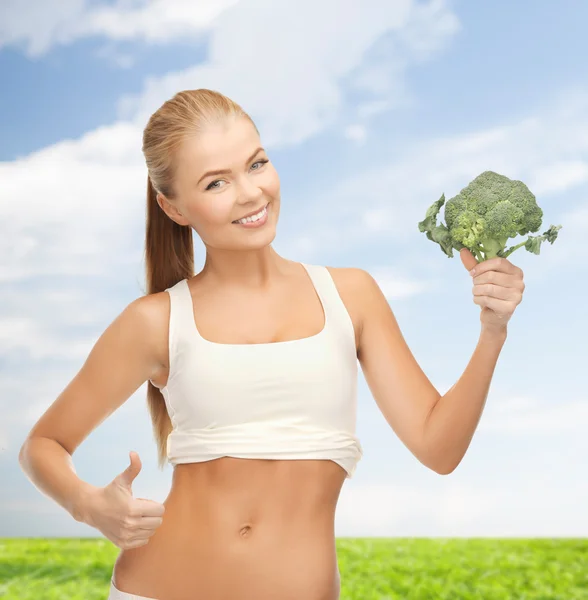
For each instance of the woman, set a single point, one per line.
(251, 367)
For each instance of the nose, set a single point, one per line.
(249, 192)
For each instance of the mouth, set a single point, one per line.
(252, 217)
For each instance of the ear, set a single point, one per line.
(171, 210)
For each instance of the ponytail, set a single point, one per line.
(169, 249)
(169, 258)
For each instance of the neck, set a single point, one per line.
(252, 269)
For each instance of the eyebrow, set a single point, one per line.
(223, 171)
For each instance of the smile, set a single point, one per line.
(256, 220)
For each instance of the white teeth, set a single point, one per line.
(253, 218)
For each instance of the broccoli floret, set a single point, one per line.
(484, 215)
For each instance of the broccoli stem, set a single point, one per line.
(513, 248)
(478, 254)
(492, 247)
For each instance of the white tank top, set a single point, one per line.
(280, 400)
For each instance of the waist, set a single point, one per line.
(236, 528)
(285, 572)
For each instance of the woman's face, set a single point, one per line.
(210, 203)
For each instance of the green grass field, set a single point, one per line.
(371, 569)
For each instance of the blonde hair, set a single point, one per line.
(169, 250)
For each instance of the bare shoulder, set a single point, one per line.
(353, 284)
(147, 319)
(152, 312)
(155, 311)
(127, 353)
(351, 280)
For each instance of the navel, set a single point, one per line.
(245, 531)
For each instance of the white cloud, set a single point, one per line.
(421, 30)
(569, 246)
(357, 133)
(560, 175)
(71, 205)
(395, 285)
(527, 416)
(157, 21)
(294, 91)
(27, 334)
(39, 25)
(365, 110)
(120, 59)
(454, 507)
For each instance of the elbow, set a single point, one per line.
(22, 453)
(441, 466)
(445, 470)
(438, 460)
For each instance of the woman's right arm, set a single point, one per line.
(127, 354)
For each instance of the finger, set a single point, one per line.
(500, 307)
(149, 522)
(138, 523)
(147, 508)
(498, 278)
(134, 534)
(503, 265)
(496, 291)
(135, 544)
(142, 534)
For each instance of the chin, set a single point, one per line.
(260, 241)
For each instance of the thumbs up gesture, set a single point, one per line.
(126, 521)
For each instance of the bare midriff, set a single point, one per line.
(241, 529)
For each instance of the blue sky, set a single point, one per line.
(369, 111)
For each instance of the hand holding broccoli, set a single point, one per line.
(480, 220)
(498, 289)
(484, 215)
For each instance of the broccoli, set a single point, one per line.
(484, 215)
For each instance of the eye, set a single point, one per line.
(261, 162)
(212, 185)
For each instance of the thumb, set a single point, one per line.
(468, 259)
(127, 477)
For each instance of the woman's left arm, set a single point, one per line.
(436, 429)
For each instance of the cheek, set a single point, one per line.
(272, 185)
(216, 211)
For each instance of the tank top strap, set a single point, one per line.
(336, 311)
(181, 315)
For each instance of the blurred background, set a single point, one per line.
(370, 111)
